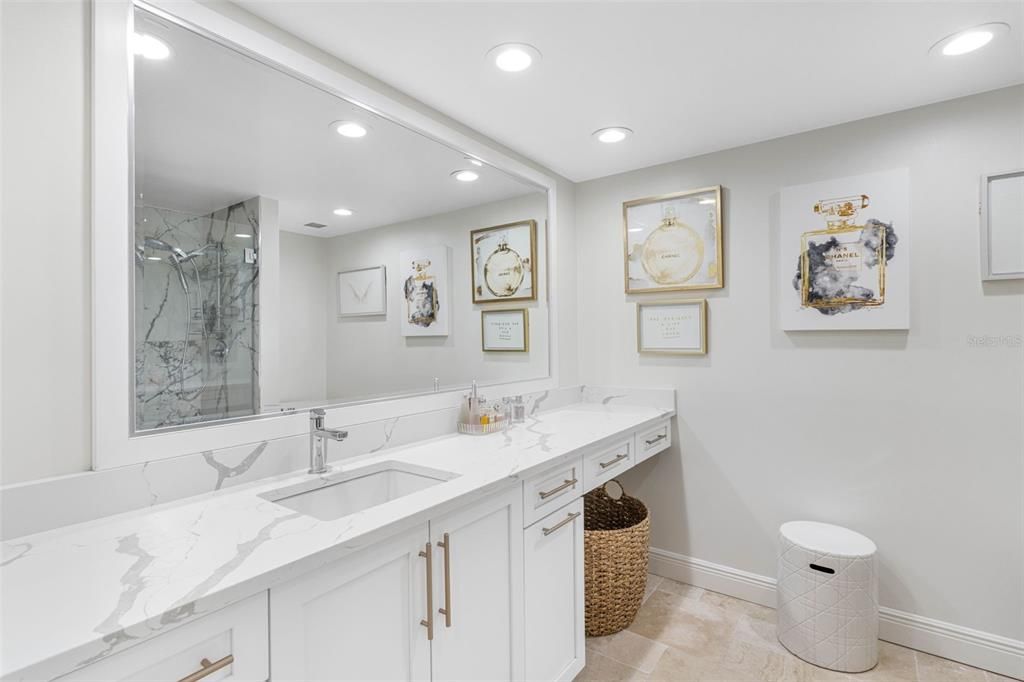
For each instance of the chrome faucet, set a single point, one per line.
(318, 436)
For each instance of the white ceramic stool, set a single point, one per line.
(828, 596)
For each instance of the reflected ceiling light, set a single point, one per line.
(343, 211)
(706, 201)
(148, 47)
(241, 235)
(349, 128)
(612, 134)
(153, 258)
(475, 162)
(636, 229)
(513, 57)
(465, 175)
(969, 40)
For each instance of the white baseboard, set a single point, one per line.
(980, 649)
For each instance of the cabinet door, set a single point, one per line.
(478, 578)
(357, 618)
(554, 595)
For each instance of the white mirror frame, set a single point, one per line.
(986, 227)
(113, 356)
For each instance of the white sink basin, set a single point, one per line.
(332, 497)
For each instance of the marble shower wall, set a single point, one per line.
(196, 353)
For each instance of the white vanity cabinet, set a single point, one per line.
(229, 644)
(440, 602)
(553, 557)
(357, 618)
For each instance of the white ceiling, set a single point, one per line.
(213, 128)
(688, 77)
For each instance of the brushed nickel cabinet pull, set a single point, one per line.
(206, 667)
(660, 436)
(428, 623)
(568, 519)
(545, 494)
(447, 610)
(618, 458)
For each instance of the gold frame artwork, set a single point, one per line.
(702, 302)
(533, 262)
(525, 312)
(719, 250)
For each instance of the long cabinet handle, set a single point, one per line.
(446, 544)
(428, 623)
(206, 667)
(568, 519)
(618, 458)
(660, 436)
(545, 494)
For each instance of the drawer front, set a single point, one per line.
(229, 644)
(652, 441)
(551, 490)
(607, 463)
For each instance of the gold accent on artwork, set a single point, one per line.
(503, 272)
(674, 252)
(848, 256)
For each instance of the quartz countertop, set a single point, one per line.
(73, 595)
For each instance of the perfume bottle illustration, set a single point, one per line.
(504, 270)
(421, 298)
(843, 266)
(673, 252)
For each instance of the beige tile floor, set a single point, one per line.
(683, 633)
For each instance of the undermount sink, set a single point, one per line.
(332, 497)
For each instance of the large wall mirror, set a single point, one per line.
(292, 249)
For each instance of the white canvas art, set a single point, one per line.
(426, 293)
(362, 292)
(845, 253)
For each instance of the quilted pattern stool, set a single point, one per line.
(828, 596)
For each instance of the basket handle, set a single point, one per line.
(622, 489)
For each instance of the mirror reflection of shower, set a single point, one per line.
(196, 325)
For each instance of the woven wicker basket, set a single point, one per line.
(615, 539)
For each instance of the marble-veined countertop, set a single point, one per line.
(73, 595)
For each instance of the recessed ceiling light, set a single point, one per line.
(513, 57)
(969, 40)
(475, 162)
(343, 211)
(148, 47)
(465, 175)
(349, 128)
(612, 134)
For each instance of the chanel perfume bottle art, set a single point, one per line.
(422, 302)
(842, 268)
(674, 252)
(504, 271)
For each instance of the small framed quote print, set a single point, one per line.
(672, 327)
(505, 330)
(362, 292)
(504, 266)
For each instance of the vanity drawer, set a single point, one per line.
(234, 638)
(607, 463)
(652, 441)
(550, 490)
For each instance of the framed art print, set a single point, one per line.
(425, 291)
(1002, 225)
(362, 292)
(673, 242)
(504, 261)
(505, 330)
(672, 327)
